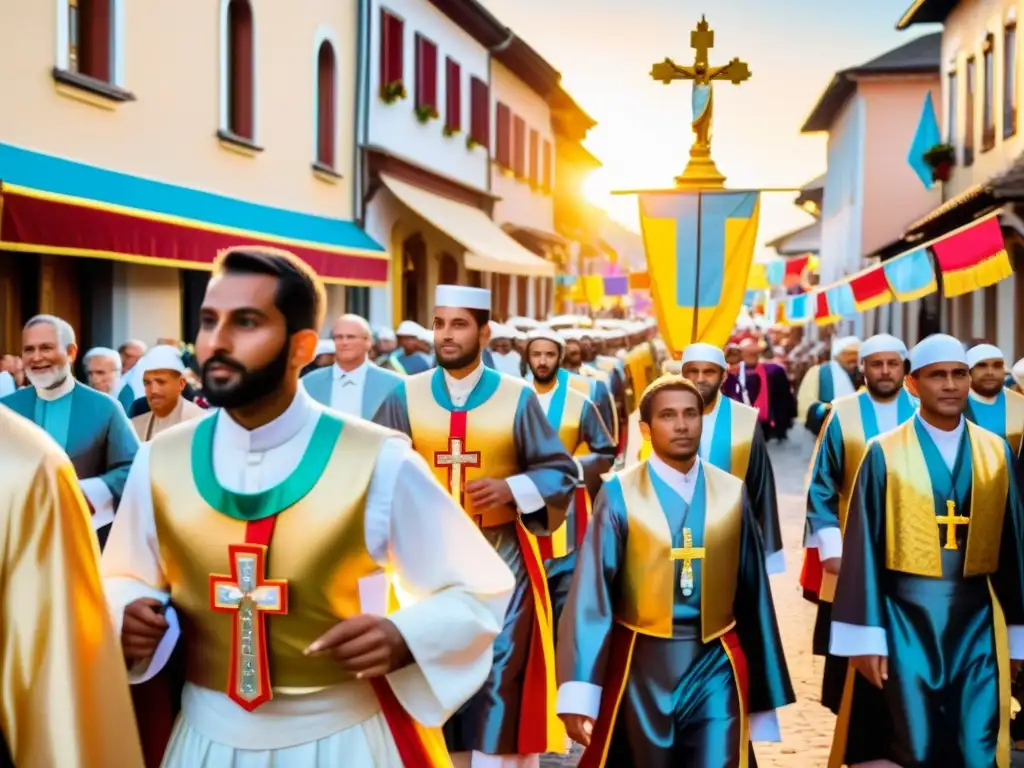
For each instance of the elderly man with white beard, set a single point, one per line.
(90, 426)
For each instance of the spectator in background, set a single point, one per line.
(103, 373)
(163, 376)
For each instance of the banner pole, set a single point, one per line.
(696, 277)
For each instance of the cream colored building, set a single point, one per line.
(138, 138)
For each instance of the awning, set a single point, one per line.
(56, 206)
(488, 248)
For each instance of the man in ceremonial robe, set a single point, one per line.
(764, 387)
(598, 383)
(574, 417)
(731, 440)
(103, 372)
(266, 538)
(489, 442)
(929, 606)
(409, 358)
(591, 344)
(91, 427)
(351, 385)
(825, 382)
(63, 689)
(163, 376)
(990, 403)
(669, 650)
(852, 421)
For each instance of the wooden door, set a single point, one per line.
(414, 278)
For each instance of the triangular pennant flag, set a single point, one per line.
(925, 137)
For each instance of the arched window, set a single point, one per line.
(89, 38)
(238, 70)
(325, 104)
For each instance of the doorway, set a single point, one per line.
(414, 277)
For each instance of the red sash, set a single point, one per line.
(761, 401)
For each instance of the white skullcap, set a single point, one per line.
(984, 352)
(463, 296)
(572, 334)
(499, 331)
(385, 334)
(409, 328)
(1018, 372)
(939, 348)
(672, 367)
(842, 344)
(527, 323)
(520, 336)
(546, 334)
(425, 335)
(882, 342)
(704, 353)
(164, 358)
(325, 347)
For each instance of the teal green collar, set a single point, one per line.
(482, 392)
(257, 506)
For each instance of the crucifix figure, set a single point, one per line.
(951, 520)
(687, 553)
(457, 459)
(701, 171)
(250, 596)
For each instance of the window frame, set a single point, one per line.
(1010, 82)
(480, 112)
(325, 36)
(452, 96)
(65, 74)
(970, 91)
(988, 93)
(426, 76)
(503, 130)
(389, 60)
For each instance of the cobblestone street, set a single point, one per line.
(806, 725)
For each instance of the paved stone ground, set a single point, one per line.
(806, 725)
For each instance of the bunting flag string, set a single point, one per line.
(972, 257)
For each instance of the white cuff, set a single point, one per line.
(828, 542)
(578, 698)
(1016, 633)
(855, 640)
(764, 726)
(147, 670)
(579, 469)
(775, 562)
(102, 500)
(526, 495)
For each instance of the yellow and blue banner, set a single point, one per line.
(718, 229)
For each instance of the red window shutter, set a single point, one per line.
(548, 161)
(240, 86)
(426, 73)
(519, 147)
(325, 105)
(503, 136)
(522, 294)
(480, 112)
(534, 175)
(453, 96)
(94, 38)
(392, 30)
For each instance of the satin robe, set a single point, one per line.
(946, 701)
(680, 704)
(64, 699)
(1004, 417)
(488, 723)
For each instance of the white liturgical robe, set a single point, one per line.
(413, 527)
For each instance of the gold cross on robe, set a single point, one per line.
(951, 520)
(687, 553)
(456, 460)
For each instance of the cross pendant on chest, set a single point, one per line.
(456, 460)
(951, 520)
(687, 553)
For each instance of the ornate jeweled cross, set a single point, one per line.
(250, 597)
(456, 460)
(951, 520)
(701, 172)
(687, 553)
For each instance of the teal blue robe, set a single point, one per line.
(942, 699)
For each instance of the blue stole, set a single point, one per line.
(485, 387)
(826, 385)
(556, 408)
(685, 607)
(955, 485)
(905, 409)
(990, 416)
(720, 451)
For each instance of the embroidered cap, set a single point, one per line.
(939, 348)
(464, 296)
(704, 353)
(984, 352)
(882, 342)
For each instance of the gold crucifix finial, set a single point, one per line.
(701, 172)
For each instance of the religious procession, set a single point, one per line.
(477, 476)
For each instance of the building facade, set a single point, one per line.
(870, 194)
(132, 157)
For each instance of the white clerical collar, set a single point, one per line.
(274, 434)
(941, 435)
(464, 385)
(57, 392)
(681, 483)
(356, 375)
(982, 399)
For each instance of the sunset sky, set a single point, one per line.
(604, 50)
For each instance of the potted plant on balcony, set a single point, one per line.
(941, 158)
(426, 112)
(392, 92)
